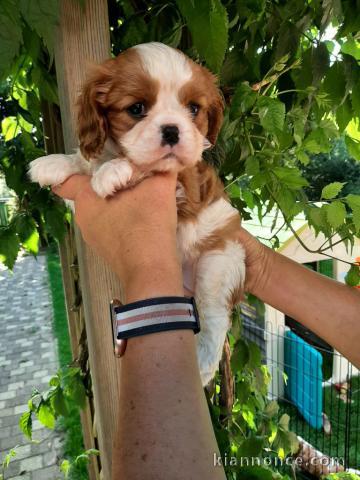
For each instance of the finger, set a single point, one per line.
(171, 179)
(163, 184)
(72, 186)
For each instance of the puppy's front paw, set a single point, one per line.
(52, 169)
(111, 177)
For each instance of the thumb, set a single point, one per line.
(72, 186)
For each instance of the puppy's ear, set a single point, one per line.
(215, 114)
(92, 122)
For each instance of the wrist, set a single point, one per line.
(153, 280)
(262, 281)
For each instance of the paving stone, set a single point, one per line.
(11, 440)
(7, 395)
(50, 458)
(31, 463)
(41, 373)
(23, 451)
(49, 473)
(20, 399)
(13, 470)
(28, 359)
(6, 412)
(16, 385)
(4, 432)
(26, 363)
(26, 476)
(21, 408)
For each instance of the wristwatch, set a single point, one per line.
(153, 315)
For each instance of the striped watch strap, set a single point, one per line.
(154, 315)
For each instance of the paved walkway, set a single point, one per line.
(28, 358)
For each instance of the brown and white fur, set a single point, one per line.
(119, 148)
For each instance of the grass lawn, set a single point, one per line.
(71, 426)
(339, 413)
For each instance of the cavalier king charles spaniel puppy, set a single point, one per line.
(152, 109)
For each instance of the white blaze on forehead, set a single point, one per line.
(164, 63)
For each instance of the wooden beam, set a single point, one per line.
(83, 37)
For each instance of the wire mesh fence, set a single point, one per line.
(316, 386)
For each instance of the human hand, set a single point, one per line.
(134, 231)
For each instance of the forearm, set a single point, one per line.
(164, 428)
(328, 308)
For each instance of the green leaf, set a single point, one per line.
(291, 177)
(54, 220)
(251, 447)
(254, 355)
(243, 100)
(46, 415)
(353, 129)
(46, 84)
(243, 391)
(76, 391)
(353, 200)
(248, 198)
(10, 128)
(353, 147)
(352, 277)
(9, 246)
(240, 356)
(271, 409)
(10, 34)
(26, 229)
(344, 114)
(272, 114)
(252, 166)
(258, 180)
(356, 219)
(286, 200)
(336, 213)
(335, 84)
(285, 441)
(302, 157)
(207, 21)
(42, 16)
(351, 47)
(355, 99)
(54, 381)
(317, 142)
(65, 468)
(320, 62)
(8, 457)
(332, 190)
(25, 424)
(59, 403)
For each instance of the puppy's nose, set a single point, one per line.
(170, 135)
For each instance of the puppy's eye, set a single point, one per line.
(137, 110)
(194, 109)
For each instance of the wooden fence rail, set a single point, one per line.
(83, 38)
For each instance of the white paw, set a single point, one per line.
(112, 176)
(209, 355)
(52, 169)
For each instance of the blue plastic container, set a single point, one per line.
(303, 366)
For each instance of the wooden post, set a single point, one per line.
(83, 37)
